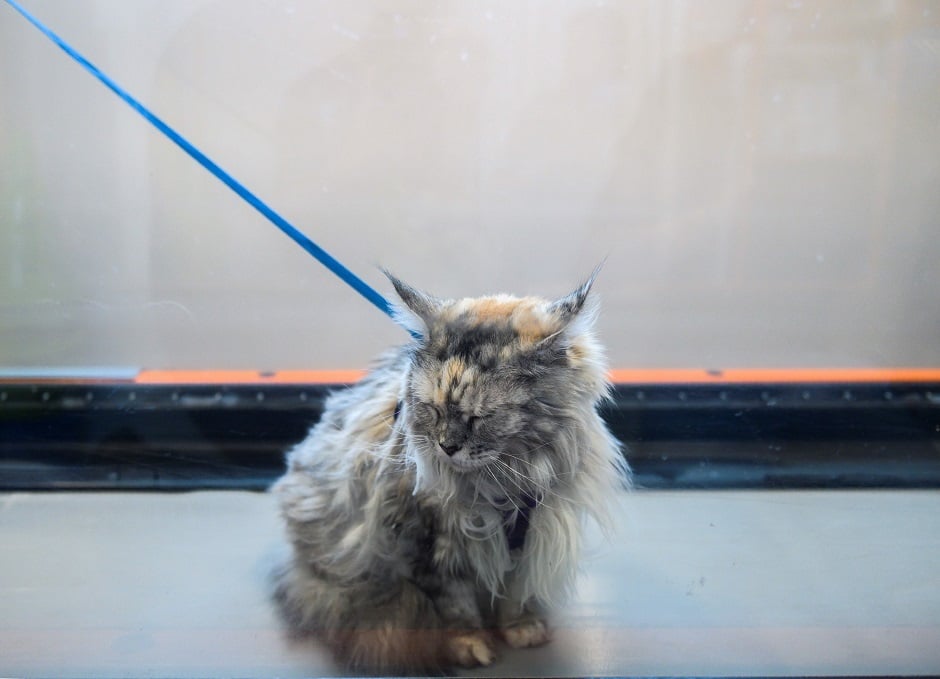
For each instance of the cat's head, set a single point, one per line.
(496, 384)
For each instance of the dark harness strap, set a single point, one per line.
(516, 529)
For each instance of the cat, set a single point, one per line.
(439, 503)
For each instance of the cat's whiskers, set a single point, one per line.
(530, 451)
(378, 450)
(555, 473)
(502, 491)
(542, 489)
(517, 483)
(533, 527)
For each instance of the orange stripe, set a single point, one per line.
(773, 375)
(618, 376)
(249, 376)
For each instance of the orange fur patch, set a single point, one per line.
(495, 309)
(532, 324)
(526, 316)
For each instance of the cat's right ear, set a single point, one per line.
(576, 307)
(423, 307)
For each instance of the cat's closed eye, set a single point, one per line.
(426, 412)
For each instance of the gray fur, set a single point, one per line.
(399, 525)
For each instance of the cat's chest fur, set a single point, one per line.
(436, 538)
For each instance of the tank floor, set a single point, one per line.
(705, 583)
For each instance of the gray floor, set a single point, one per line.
(715, 583)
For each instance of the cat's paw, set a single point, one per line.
(526, 634)
(471, 649)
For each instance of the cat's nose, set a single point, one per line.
(449, 448)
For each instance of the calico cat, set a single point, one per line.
(439, 503)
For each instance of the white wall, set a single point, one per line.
(762, 176)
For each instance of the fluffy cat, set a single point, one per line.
(439, 503)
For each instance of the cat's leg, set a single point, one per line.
(468, 643)
(522, 625)
(471, 649)
(387, 628)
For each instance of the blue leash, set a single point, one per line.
(298, 237)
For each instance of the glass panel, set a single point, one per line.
(760, 177)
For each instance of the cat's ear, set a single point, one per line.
(423, 307)
(577, 308)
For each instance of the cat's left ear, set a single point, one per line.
(577, 308)
(423, 307)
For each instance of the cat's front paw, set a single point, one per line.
(526, 634)
(471, 649)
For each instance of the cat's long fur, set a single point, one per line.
(400, 503)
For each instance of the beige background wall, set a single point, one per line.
(762, 176)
